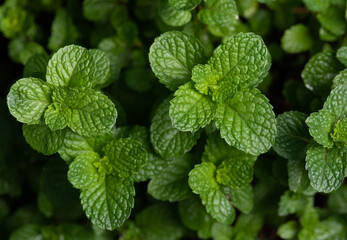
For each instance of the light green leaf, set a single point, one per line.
(82, 172)
(63, 31)
(172, 183)
(320, 71)
(92, 113)
(292, 135)
(109, 202)
(241, 198)
(326, 168)
(291, 203)
(247, 121)
(43, 139)
(333, 20)
(100, 66)
(317, 5)
(297, 39)
(167, 140)
(171, 16)
(57, 116)
(243, 60)
(336, 103)
(340, 132)
(288, 230)
(220, 231)
(36, 66)
(173, 56)
(206, 79)
(217, 150)
(191, 110)
(202, 178)
(321, 124)
(341, 55)
(184, 4)
(234, 173)
(340, 78)
(75, 144)
(219, 13)
(28, 99)
(125, 156)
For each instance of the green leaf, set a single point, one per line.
(171, 16)
(220, 231)
(28, 99)
(16, 21)
(191, 110)
(247, 121)
(36, 66)
(102, 67)
(108, 203)
(173, 56)
(321, 124)
(43, 139)
(341, 55)
(27, 232)
(340, 78)
(217, 150)
(241, 198)
(82, 172)
(333, 20)
(172, 183)
(320, 71)
(292, 135)
(63, 31)
(242, 60)
(336, 103)
(92, 113)
(317, 5)
(291, 203)
(234, 173)
(98, 10)
(21, 50)
(326, 168)
(219, 13)
(184, 4)
(288, 230)
(337, 200)
(75, 144)
(298, 180)
(125, 156)
(206, 79)
(167, 140)
(57, 116)
(247, 226)
(297, 39)
(340, 132)
(202, 178)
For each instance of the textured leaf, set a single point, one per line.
(205, 78)
(172, 183)
(320, 71)
(292, 135)
(242, 198)
(36, 66)
(243, 60)
(297, 39)
(43, 139)
(217, 150)
(219, 13)
(336, 103)
(341, 55)
(28, 99)
(92, 113)
(75, 144)
(184, 4)
(298, 180)
(247, 122)
(234, 173)
(173, 56)
(333, 20)
(317, 5)
(191, 110)
(125, 156)
(202, 178)
(171, 16)
(82, 172)
(101, 66)
(326, 168)
(340, 132)
(167, 140)
(109, 202)
(57, 116)
(321, 124)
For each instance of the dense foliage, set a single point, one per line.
(173, 119)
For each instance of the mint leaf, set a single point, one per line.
(336, 103)
(27, 232)
(92, 113)
(243, 60)
(298, 180)
(100, 66)
(167, 140)
(172, 183)
(333, 20)
(297, 39)
(317, 5)
(288, 230)
(220, 231)
(319, 72)
(171, 16)
(234, 173)
(36, 66)
(292, 135)
(43, 139)
(341, 55)
(205, 78)
(108, 203)
(292, 203)
(28, 99)
(241, 198)
(340, 132)
(57, 116)
(125, 156)
(321, 124)
(173, 56)
(202, 178)
(326, 168)
(184, 4)
(247, 121)
(219, 13)
(82, 172)
(191, 110)
(98, 10)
